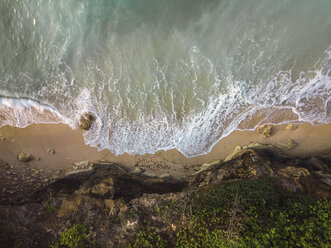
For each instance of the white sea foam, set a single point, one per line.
(24, 112)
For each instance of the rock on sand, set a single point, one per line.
(24, 157)
(265, 130)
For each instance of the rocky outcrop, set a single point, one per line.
(114, 203)
(311, 175)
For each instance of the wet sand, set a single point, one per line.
(69, 147)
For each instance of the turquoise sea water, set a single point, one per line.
(164, 74)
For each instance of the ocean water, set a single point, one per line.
(164, 74)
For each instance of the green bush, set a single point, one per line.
(247, 213)
(149, 240)
(75, 237)
(51, 209)
(256, 214)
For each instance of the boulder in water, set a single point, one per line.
(85, 121)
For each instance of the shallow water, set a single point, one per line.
(164, 74)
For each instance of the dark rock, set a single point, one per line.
(317, 164)
(85, 121)
(4, 165)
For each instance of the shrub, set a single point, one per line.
(149, 240)
(75, 237)
(247, 213)
(256, 214)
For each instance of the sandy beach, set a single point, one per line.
(56, 148)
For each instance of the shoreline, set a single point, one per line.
(67, 148)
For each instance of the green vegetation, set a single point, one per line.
(149, 240)
(75, 237)
(249, 214)
(128, 214)
(51, 209)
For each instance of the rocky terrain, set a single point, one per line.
(112, 207)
